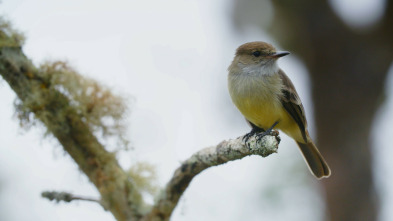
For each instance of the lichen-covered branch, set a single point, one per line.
(52, 107)
(211, 156)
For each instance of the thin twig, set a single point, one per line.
(66, 197)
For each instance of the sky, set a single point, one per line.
(169, 58)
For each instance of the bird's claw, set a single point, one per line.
(247, 136)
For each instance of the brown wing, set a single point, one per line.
(292, 103)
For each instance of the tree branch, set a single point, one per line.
(211, 156)
(53, 109)
(49, 104)
(66, 197)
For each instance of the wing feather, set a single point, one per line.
(292, 104)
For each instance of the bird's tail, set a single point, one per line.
(314, 159)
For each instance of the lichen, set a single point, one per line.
(103, 111)
(265, 146)
(8, 36)
(144, 177)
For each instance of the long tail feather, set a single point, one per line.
(316, 163)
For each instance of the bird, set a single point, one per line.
(268, 100)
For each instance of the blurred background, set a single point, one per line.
(170, 58)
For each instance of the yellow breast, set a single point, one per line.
(261, 112)
(265, 112)
(257, 91)
(258, 99)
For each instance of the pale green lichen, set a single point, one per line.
(8, 36)
(74, 108)
(103, 111)
(97, 106)
(263, 147)
(144, 177)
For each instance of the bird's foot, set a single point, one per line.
(260, 133)
(269, 131)
(248, 135)
(251, 133)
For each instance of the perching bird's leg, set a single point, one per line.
(251, 133)
(254, 130)
(267, 132)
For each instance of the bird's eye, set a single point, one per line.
(256, 53)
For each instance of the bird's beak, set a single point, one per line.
(279, 54)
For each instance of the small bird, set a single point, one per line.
(267, 98)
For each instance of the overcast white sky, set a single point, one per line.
(171, 57)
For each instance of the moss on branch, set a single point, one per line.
(75, 109)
